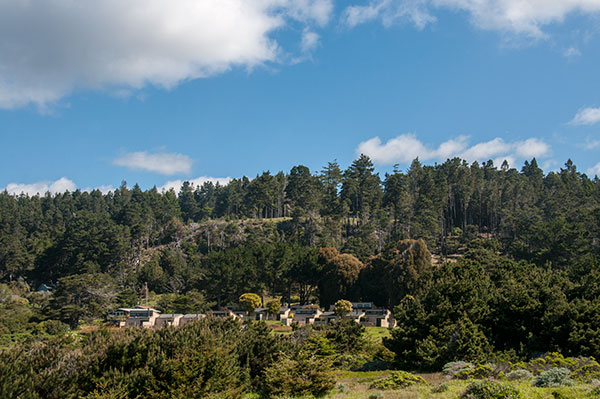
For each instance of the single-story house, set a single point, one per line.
(168, 319)
(138, 316)
(326, 318)
(190, 317)
(305, 315)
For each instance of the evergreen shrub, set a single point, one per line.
(298, 377)
(553, 378)
(519, 374)
(490, 390)
(397, 380)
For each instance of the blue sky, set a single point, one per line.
(93, 94)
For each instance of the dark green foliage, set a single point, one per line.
(347, 336)
(298, 377)
(83, 297)
(490, 390)
(398, 380)
(211, 358)
(476, 259)
(444, 322)
(190, 302)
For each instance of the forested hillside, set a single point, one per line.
(476, 259)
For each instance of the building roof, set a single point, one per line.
(137, 309)
(170, 315)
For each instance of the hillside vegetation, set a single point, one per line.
(477, 262)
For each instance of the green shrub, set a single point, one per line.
(553, 378)
(298, 377)
(454, 368)
(398, 380)
(490, 390)
(586, 373)
(559, 395)
(441, 388)
(376, 395)
(555, 360)
(478, 372)
(519, 374)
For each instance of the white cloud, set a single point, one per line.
(163, 163)
(49, 49)
(310, 41)
(586, 116)
(532, 148)
(594, 170)
(390, 12)
(516, 16)
(59, 186)
(317, 11)
(406, 147)
(176, 184)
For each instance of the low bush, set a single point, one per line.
(478, 372)
(490, 390)
(453, 368)
(553, 378)
(398, 380)
(586, 373)
(555, 360)
(519, 374)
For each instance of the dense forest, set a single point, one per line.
(475, 260)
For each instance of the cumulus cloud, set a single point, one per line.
(163, 163)
(176, 184)
(406, 147)
(586, 116)
(40, 188)
(516, 16)
(49, 49)
(594, 170)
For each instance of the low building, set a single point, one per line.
(263, 314)
(367, 314)
(326, 318)
(138, 316)
(305, 315)
(190, 317)
(168, 319)
(378, 318)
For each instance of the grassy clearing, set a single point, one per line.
(356, 385)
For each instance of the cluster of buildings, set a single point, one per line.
(365, 313)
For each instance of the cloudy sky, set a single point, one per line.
(161, 91)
